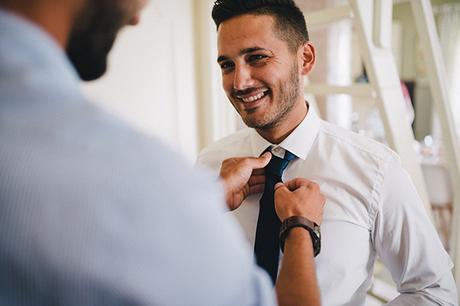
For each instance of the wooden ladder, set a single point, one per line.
(372, 21)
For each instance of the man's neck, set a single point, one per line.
(288, 124)
(52, 17)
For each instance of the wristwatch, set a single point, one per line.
(311, 227)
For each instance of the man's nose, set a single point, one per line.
(242, 78)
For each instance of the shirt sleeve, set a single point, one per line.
(407, 243)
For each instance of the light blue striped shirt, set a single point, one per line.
(94, 213)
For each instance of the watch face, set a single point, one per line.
(317, 231)
(316, 239)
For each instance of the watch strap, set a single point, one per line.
(310, 226)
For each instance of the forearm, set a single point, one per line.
(296, 284)
(407, 243)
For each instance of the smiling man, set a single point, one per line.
(261, 73)
(372, 210)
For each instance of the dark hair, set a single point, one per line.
(289, 19)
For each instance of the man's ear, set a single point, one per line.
(307, 57)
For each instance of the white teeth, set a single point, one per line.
(253, 98)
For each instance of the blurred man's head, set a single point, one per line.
(94, 33)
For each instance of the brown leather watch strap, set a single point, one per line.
(298, 221)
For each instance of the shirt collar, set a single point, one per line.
(299, 142)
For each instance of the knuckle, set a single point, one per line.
(304, 181)
(279, 191)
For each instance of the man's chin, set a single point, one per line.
(93, 73)
(256, 123)
(88, 52)
(89, 65)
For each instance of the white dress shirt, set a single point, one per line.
(94, 213)
(372, 210)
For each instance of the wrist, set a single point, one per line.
(300, 223)
(298, 236)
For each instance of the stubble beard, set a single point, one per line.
(93, 37)
(287, 98)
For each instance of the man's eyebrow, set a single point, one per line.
(222, 58)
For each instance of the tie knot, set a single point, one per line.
(277, 165)
(288, 156)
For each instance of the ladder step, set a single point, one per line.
(327, 16)
(361, 90)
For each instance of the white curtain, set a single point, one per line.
(448, 23)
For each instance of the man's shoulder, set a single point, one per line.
(353, 143)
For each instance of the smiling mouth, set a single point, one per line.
(253, 97)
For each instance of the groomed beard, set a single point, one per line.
(287, 97)
(92, 37)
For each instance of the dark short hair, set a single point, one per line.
(290, 23)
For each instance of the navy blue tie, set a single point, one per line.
(267, 246)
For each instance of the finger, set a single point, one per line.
(294, 184)
(254, 180)
(266, 155)
(300, 182)
(280, 187)
(261, 161)
(281, 192)
(256, 188)
(258, 172)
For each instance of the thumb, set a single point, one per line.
(263, 160)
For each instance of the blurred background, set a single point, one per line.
(164, 81)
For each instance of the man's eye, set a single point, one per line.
(225, 65)
(256, 57)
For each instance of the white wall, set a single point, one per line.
(151, 78)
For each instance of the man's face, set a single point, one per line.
(260, 74)
(94, 33)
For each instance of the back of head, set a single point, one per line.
(289, 19)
